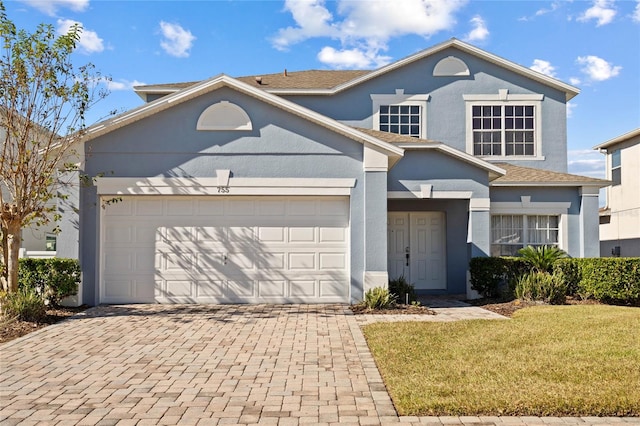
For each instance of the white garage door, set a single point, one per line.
(225, 250)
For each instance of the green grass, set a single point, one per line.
(546, 361)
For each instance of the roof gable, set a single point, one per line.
(394, 153)
(328, 82)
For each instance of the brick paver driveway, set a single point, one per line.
(179, 364)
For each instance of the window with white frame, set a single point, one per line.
(616, 167)
(401, 114)
(504, 125)
(401, 119)
(511, 232)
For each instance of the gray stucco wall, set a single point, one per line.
(446, 108)
(167, 145)
(442, 171)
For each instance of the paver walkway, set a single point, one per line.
(180, 364)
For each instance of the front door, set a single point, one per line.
(416, 248)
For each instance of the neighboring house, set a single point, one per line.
(620, 218)
(315, 186)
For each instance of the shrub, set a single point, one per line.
(541, 286)
(53, 279)
(541, 258)
(24, 305)
(613, 280)
(491, 276)
(379, 298)
(570, 270)
(401, 288)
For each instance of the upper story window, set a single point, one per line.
(401, 114)
(401, 119)
(504, 126)
(616, 167)
(503, 130)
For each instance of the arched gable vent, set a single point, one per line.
(224, 116)
(450, 66)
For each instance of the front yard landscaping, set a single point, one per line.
(547, 361)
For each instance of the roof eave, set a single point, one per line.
(622, 138)
(553, 184)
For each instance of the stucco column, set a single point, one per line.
(68, 240)
(376, 165)
(589, 222)
(478, 234)
(375, 235)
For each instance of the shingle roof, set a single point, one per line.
(392, 137)
(311, 79)
(519, 175)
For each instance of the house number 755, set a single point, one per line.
(223, 190)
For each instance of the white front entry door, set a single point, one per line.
(416, 248)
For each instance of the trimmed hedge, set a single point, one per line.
(53, 279)
(492, 276)
(606, 279)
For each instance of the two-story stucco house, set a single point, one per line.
(620, 218)
(314, 186)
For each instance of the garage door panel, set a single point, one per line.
(178, 288)
(240, 234)
(226, 250)
(240, 208)
(148, 207)
(270, 289)
(303, 289)
(302, 235)
(208, 288)
(271, 234)
(332, 261)
(179, 207)
(240, 289)
(302, 261)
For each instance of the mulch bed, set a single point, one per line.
(507, 308)
(398, 309)
(14, 329)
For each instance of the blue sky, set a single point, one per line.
(594, 45)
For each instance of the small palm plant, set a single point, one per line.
(542, 258)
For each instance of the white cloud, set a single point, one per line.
(543, 67)
(121, 84)
(176, 40)
(602, 11)
(570, 108)
(575, 81)
(351, 58)
(479, 31)
(89, 42)
(313, 20)
(363, 27)
(597, 69)
(586, 162)
(636, 12)
(50, 7)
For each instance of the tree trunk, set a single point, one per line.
(14, 240)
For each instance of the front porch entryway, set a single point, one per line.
(416, 248)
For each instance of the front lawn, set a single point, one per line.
(546, 361)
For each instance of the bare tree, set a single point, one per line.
(43, 102)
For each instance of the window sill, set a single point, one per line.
(510, 158)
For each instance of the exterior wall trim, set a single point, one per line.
(426, 192)
(236, 186)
